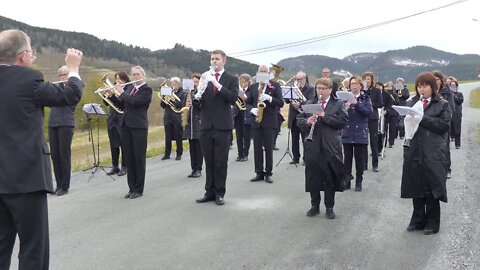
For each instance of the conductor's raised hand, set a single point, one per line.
(73, 59)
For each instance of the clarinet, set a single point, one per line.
(312, 128)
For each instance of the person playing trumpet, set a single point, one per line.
(172, 121)
(242, 120)
(264, 127)
(134, 124)
(324, 169)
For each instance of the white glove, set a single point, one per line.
(254, 111)
(212, 79)
(264, 97)
(198, 96)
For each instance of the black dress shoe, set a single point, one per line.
(122, 171)
(275, 148)
(412, 228)
(390, 146)
(61, 192)
(135, 195)
(204, 199)
(165, 157)
(219, 200)
(347, 184)
(127, 196)
(178, 157)
(244, 159)
(315, 210)
(258, 177)
(429, 231)
(191, 174)
(330, 214)
(239, 158)
(375, 169)
(55, 191)
(358, 186)
(268, 179)
(197, 174)
(294, 161)
(113, 171)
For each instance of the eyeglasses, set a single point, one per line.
(32, 52)
(60, 75)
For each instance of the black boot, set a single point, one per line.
(330, 214)
(113, 171)
(358, 186)
(315, 210)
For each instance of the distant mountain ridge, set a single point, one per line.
(389, 65)
(182, 61)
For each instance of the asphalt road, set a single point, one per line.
(264, 226)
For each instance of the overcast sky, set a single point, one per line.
(249, 25)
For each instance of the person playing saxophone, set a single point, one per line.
(269, 96)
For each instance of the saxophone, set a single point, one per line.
(185, 111)
(260, 104)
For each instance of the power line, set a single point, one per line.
(335, 35)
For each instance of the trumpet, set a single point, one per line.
(241, 100)
(202, 85)
(104, 95)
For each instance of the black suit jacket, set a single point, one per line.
(171, 117)
(270, 119)
(215, 108)
(375, 95)
(134, 107)
(24, 154)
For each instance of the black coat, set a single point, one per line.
(390, 98)
(323, 155)
(270, 119)
(457, 114)
(134, 107)
(375, 95)
(424, 162)
(403, 96)
(24, 155)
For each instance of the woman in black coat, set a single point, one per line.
(424, 162)
(192, 132)
(324, 168)
(456, 129)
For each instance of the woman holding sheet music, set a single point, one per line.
(424, 162)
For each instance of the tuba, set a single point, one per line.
(260, 104)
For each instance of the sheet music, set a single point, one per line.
(312, 108)
(187, 84)
(93, 108)
(262, 77)
(289, 93)
(166, 91)
(344, 95)
(405, 110)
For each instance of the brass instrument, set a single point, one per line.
(104, 95)
(260, 104)
(241, 104)
(185, 111)
(277, 70)
(170, 99)
(299, 94)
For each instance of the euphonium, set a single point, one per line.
(260, 104)
(102, 92)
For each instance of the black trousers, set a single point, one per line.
(116, 147)
(215, 146)
(173, 132)
(134, 141)
(448, 158)
(25, 215)
(329, 199)
(426, 213)
(247, 139)
(263, 141)
(61, 150)
(240, 132)
(373, 132)
(296, 134)
(357, 150)
(401, 128)
(196, 156)
(391, 124)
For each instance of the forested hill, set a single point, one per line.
(178, 61)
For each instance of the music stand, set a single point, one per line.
(94, 109)
(287, 151)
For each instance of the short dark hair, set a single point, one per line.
(123, 76)
(427, 78)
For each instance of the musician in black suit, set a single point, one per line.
(264, 127)
(134, 124)
(61, 124)
(172, 120)
(114, 131)
(25, 167)
(192, 133)
(295, 106)
(375, 95)
(242, 129)
(218, 92)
